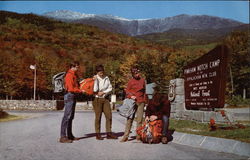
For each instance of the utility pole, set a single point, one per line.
(33, 67)
(232, 82)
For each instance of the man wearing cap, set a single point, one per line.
(135, 90)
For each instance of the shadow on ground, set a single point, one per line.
(89, 135)
(119, 134)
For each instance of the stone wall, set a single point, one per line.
(41, 105)
(29, 104)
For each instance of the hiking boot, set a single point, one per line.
(164, 140)
(111, 136)
(124, 139)
(98, 136)
(74, 138)
(65, 140)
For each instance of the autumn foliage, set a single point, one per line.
(27, 39)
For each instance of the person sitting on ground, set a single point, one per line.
(159, 108)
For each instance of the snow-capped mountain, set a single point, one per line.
(67, 15)
(134, 27)
(71, 15)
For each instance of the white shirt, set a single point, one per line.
(102, 85)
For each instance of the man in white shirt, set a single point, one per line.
(102, 88)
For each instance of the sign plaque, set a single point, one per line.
(205, 80)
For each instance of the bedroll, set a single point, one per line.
(150, 132)
(87, 85)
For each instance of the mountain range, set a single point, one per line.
(135, 27)
(192, 36)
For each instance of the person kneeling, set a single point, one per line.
(159, 109)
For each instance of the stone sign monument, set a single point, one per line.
(205, 80)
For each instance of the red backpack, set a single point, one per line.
(87, 85)
(150, 132)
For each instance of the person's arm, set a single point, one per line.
(96, 86)
(145, 95)
(148, 110)
(166, 107)
(109, 88)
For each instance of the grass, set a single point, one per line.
(118, 102)
(203, 129)
(4, 116)
(238, 106)
(11, 118)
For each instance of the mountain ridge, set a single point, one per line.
(192, 36)
(135, 27)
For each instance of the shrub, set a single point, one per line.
(238, 101)
(3, 114)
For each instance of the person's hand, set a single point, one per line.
(146, 119)
(133, 97)
(94, 77)
(100, 93)
(153, 117)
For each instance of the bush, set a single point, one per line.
(3, 114)
(238, 101)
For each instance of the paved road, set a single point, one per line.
(36, 139)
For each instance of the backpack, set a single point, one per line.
(127, 109)
(87, 85)
(58, 82)
(150, 132)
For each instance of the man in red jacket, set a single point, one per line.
(71, 87)
(135, 90)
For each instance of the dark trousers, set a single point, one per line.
(69, 113)
(102, 105)
(165, 120)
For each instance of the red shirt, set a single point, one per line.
(136, 88)
(158, 106)
(70, 82)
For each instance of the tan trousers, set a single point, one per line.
(102, 105)
(139, 118)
